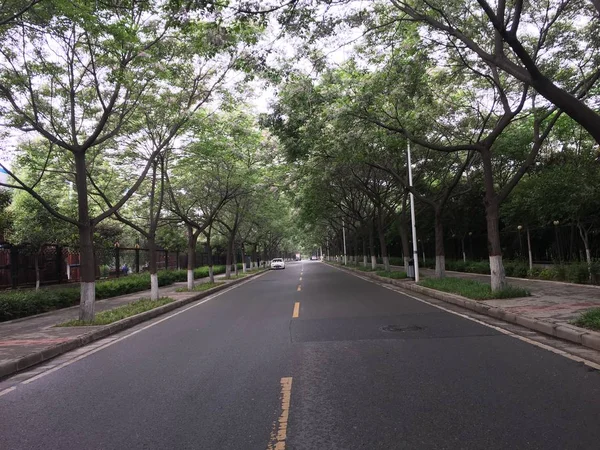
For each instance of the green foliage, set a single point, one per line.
(23, 303)
(122, 312)
(471, 288)
(589, 319)
(391, 274)
(201, 287)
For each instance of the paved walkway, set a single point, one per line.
(21, 337)
(551, 301)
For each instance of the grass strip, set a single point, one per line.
(472, 289)
(113, 315)
(589, 319)
(390, 274)
(201, 287)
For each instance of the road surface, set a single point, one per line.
(313, 358)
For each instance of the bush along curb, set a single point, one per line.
(373, 275)
(102, 331)
(567, 332)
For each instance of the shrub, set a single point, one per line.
(387, 274)
(547, 274)
(396, 261)
(478, 267)
(113, 315)
(515, 269)
(23, 303)
(471, 288)
(577, 273)
(589, 319)
(561, 272)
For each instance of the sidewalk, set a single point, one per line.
(30, 340)
(551, 301)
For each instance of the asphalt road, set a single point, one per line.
(367, 368)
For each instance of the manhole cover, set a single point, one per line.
(399, 329)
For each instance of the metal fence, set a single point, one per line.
(58, 264)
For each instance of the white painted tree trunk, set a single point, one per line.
(37, 274)
(373, 262)
(88, 299)
(190, 280)
(153, 286)
(440, 266)
(497, 273)
(364, 260)
(529, 251)
(406, 263)
(386, 263)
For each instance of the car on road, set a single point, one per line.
(277, 263)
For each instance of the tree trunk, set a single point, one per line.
(372, 247)
(498, 276)
(355, 257)
(234, 258)
(406, 250)
(462, 246)
(243, 259)
(586, 243)
(228, 259)
(382, 244)
(86, 245)
(37, 271)
(364, 246)
(191, 263)
(529, 251)
(440, 257)
(209, 257)
(152, 263)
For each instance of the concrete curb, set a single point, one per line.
(565, 331)
(16, 365)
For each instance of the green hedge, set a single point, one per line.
(472, 288)
(589, 319)
(577, 272)
(27, 302)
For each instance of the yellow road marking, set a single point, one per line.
(296, 310)
(299, 288)
(278, 438)
(300, 278)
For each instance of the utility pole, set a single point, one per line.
(344, 237)
(412, 216)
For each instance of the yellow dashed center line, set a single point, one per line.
(299, 288)
(278, 439)
(300, 278)
(296, 312)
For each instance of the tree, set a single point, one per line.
(78, 80)
(517, 37)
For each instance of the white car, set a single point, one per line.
(277, 263)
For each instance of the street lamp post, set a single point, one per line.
(344, 238)
(412, 215)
